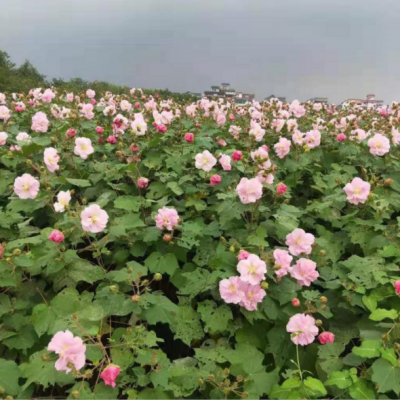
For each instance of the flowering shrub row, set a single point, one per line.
(152, 249)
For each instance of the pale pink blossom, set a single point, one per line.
(90, 93)
(395, 136)
(70, 349)
(205, 161)
(87, 110)
(278, 124)
(299, 242)
(83, 147)
(2, 98)
(379, 145)
(249, 190)
(3, 138)
(110, 110)
(358, 134)
(23, 137)
(167, 117)
(63, 199)
(291, 125)
(40, 123)
(56, 236)
(94, 219)
(304, 271)
(69, 97)
(256, 131)
(297, 109)
(125, 105)
(317, 106)
(225, 162)
(252, 270)
(261, 157)
(139, 125)
(283, 260)
(252, 295)
(357, 191)
(298, 137)
(167, 218)
(231, 290)
(51, 159)
(48, 95)
(4, 113)
(110, 374)
(191, 110)
(151, 105)
(303, 329)
(313, 138)
(26, 186)
(282, 148)
(120, 123)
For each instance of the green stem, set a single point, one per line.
(298, 362)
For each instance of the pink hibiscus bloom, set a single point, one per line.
(252, 270)
(303, 329)
(231, 290)
(26, 186)
(167, 218)
(357, 191)
(304, 271)
(249, 190)
(299, 242)
(252, 295)
(282, 260)
(94, 219)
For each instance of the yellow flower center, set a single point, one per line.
(252, 269)
(83, 147)
(25, 187)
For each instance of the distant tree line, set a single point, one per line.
(21, 79)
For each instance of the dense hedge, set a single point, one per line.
(160, 250)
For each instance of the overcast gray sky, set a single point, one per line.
(294, 48)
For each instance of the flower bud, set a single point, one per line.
(322, 253)
(388, 182)
(135, 298)
(75, 394)
(295, 302)
(318, 322)
(113, 289)
(16, 252)
(45, 357)
(167, 238)
(264, 285)
(323, 299)
(157, 277)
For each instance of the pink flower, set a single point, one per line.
(358, 134)
(109, 375)
(48, 95)
(26, 186)
(261, 157)
(303, 329)
(313, 138)
(282, 148)
(252, 270)
(83, 147)
(281, 188)
(299, 242)
(379, 145)
(90, 93)
(298, 137)
(70, 349)
(143, 183)
(237, 155)
(94, 219)
(326, 337)
(189, 137)
(215, 180)
(253, 294)
(69, 97)
(296, 109)
(40, 123)
(249, 190)
(3, 138)
(70, 133)
(397, 287)
(4, 113)
(139, 125)
(282, 260)
(112, 139)
(87, 110)
(304, 271)
(134, 148)
(167, 117)
(167, 218)
(341, 137)
(51, 159)
(1, 251)
(56, 236)
(63, 200)
(99, 130)
(256, 131)
(225, 162)
(205, 161)
(243, 255)
(357, 191)
(295, 302)
(161, 128)
(231, 290)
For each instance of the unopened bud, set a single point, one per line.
(264, 285)
(145, 282)
(167, 238)
(318, 322)
(295, 302)
(16, 252)
(323, 299)
(75, 394)
(118, 153)
(322, 253)
(135, 298)
(232, 249)
(84, 200)
(157, 277)
(388, 182)
(45, 357)
(113, 289)
(29, 162)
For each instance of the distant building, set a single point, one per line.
(369, 102)
(319, 100)
(226, 92)
(272, 96)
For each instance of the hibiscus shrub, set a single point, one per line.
(160, 250)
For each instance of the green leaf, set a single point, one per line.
(386, 376)
(9, 375)
(390, 355)
(128, 203)
(341, 379)
(316, 386)
(370, 303)
(379, 314)
(161, 309)
(164, 264)
(42, 318)
(368, 349)
(215, 318)
(137, 269)
(79, 182)
(186, 325)
(5, 304)
(361, 390)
